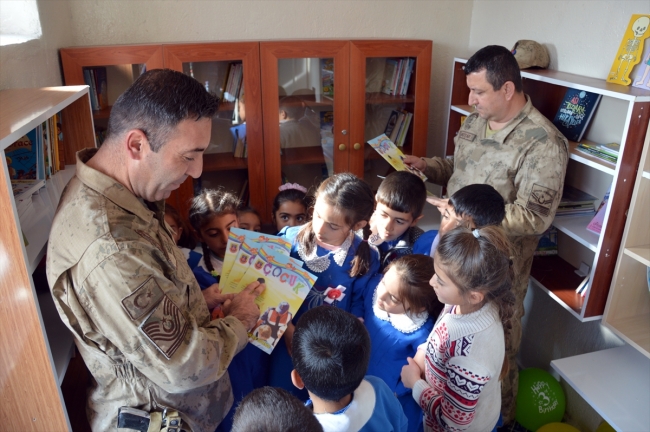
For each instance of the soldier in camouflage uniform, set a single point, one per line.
(120, 283)
(510, 145)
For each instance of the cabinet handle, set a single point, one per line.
(342, 147)
(357, 146)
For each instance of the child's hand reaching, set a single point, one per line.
(411, 373)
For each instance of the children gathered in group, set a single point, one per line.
(392, 368)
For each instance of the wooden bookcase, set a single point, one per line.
(628, 306)
(622, 116)
(36, 346)
(265, 82)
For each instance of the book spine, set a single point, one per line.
(586, 121)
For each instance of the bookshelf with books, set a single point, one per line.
(38, 348)
(620, 117)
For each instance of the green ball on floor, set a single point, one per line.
(540, 400)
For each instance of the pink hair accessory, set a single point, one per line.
(296, 186)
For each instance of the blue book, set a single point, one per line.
(21, 157)
(575, 112)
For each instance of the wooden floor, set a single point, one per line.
(74, 387)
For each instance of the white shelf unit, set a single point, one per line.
(615, 382)
(622, 117)
(36, 345)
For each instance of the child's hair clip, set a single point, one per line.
(296, 186)
(476, 233)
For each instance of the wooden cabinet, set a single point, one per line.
(333, 124)
(621, 117)
(628, 306)
(36, 346)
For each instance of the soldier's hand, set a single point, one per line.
(213, 296)
(415, 162)
(243, 306)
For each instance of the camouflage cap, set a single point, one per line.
(530, 54)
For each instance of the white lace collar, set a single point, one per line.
(405, 323)
(321, 263)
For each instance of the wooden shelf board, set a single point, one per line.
(576, 228)
(558, 278)
(639, 253)
(223, 162)
(463, 109)
(589, 160)
(615, 382)
(24, 109)
(378, 98)
(634, 330)
(302, 155)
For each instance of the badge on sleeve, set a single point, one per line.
(467, 136)
(143, 299)
(165, 327)
(541, 199)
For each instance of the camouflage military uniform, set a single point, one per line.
(137, 314)
(525, 162)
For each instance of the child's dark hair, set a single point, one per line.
(292, 193)
(186, 240)
(481, 202)
(331, 350)
(353, 198)
(480, 260)
(242, 210)
(208, 204)
(404, 192)
(415, 273)
(270, 409)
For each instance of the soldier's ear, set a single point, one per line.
(509, 89)
(135, 142)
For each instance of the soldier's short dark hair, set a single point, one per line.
(404, 192)
(331, 351)
(293, 107)
(481, 202)
(270, 409)
(500, 66)
(156, 102)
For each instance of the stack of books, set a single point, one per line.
(95, 78)
(397, 126)
(607, 152)
(397, 75)
(576, 202)
(233, 84)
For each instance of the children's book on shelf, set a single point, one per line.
(597, 151)
(327, 77)
(393, 155)
(596, 224)
(547, 243)
(575, 112)
(22, 156)
(575, 201)
(252, 256)
(390, 74)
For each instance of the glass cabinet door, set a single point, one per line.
(234, 158)
(389, 94)
(305, 102)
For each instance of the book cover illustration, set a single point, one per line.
(21, 157)
(630, 52)
(575, 112)
(547, 243)
(596, 224)
(327, 77)
(393, 155)
(286, 289)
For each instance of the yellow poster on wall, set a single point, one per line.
(630, 53)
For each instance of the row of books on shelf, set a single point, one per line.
(397, 126)
(95, 79)
(234, 84)
(240, 149)
(397, 75)
(327, 77)
(607, 152)
(36, 155)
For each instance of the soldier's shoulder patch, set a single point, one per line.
(165, 327)
(467, 136)
(541, 199)
(143, 299)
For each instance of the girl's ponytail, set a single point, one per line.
(361, 261)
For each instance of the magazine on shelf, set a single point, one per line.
(575, 112)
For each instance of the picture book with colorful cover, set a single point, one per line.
(21, 156)
(575, 112)
(393, 155)
(596, 224)
(286, 288)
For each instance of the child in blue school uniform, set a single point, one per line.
(473, 206)
(343, 261)
(212, 214)
(400, 200)
(400, 310)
